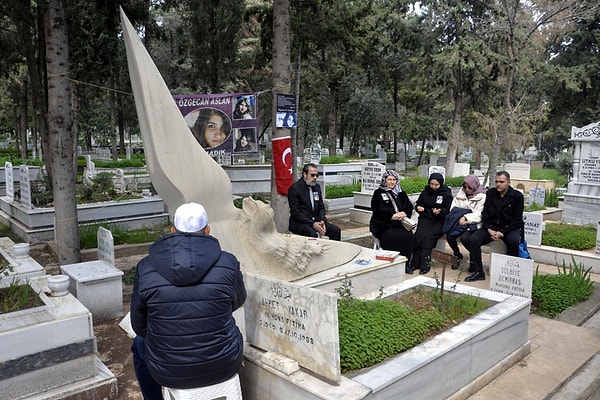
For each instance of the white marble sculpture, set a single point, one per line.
(181, 171)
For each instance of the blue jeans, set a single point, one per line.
(149, 387)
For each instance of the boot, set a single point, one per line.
(459, 258)
(427, 265)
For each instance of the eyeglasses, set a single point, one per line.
(314, 175)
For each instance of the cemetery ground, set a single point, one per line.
(556, 344)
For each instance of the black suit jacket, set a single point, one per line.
(301, 209)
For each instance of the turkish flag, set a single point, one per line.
(282, 163)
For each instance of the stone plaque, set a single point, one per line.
(537, 195)
(439, 170)
(511, 275)
(9, 180)
(106, 246)
(518, 170)
(589, 167)
(534, 225)
(461, 169)
(299, 322)
(119, 180)
(25, 187)
(371, 176)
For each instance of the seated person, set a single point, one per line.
(390, 204)
(307, 210)
(501, 219)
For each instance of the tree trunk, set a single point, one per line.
(454, 135)
(282, 83)
(60, 138)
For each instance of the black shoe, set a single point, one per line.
(459, 258)
(409, 270)
(477, 276)
(424, 271)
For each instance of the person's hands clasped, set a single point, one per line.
(495, 235)
(398, 216)
(319, 226)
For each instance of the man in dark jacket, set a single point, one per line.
(307, 210)
(501, 219)
(184, 294)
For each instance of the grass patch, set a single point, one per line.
(372, 330)
(568, 236)
(552, 294)
(18, 296)
(88, 234)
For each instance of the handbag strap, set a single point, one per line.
(393, 200)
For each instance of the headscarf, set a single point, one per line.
(474, 183)
(438, 177)
(396, 189)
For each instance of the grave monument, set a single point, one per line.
(281, 272)
(582, 199)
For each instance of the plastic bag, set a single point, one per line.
(523, 252)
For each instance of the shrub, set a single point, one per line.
(333, 160)
(341, 191)
(552, 294)
(567, 236)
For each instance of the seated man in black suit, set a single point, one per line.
(307, 210)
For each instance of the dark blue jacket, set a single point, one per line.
(183, 297)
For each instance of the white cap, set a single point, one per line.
(190, 217)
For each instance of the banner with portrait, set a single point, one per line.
(222, 123)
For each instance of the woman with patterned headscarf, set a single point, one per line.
(390, 205)
(432, 205)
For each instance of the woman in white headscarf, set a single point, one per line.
(390, 205)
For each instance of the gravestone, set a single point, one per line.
(25, 187)
(371, 173)
(10, 180)
(582, 200)
(437, 169)
(537, 195)
(296, 321)
(511, 275)
(518, 170)
(461, 169)
(119, 180)
(534, 226)
(106, 246)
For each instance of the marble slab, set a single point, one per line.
(518, 170)
(511, 275)
(371, 176)
(293, 320)
(534, 226)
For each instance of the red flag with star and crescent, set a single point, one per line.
(282, 163)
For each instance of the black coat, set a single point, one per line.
(383, 209)
(301, 210)
(184, 294)
(503, 214)
(429, 227)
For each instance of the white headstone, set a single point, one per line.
(106, 246)
(439, 170)
(371, 173)
(589, 167)
(119, 180)
(518, 170)
(461, 169)
(297, 321)
(511, 275)
(534, 225)
(10, 180)
(25, 187)
(537, 195)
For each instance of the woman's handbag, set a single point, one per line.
(409, 224)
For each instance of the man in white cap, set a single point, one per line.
(184, 294)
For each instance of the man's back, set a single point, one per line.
(183, 298)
